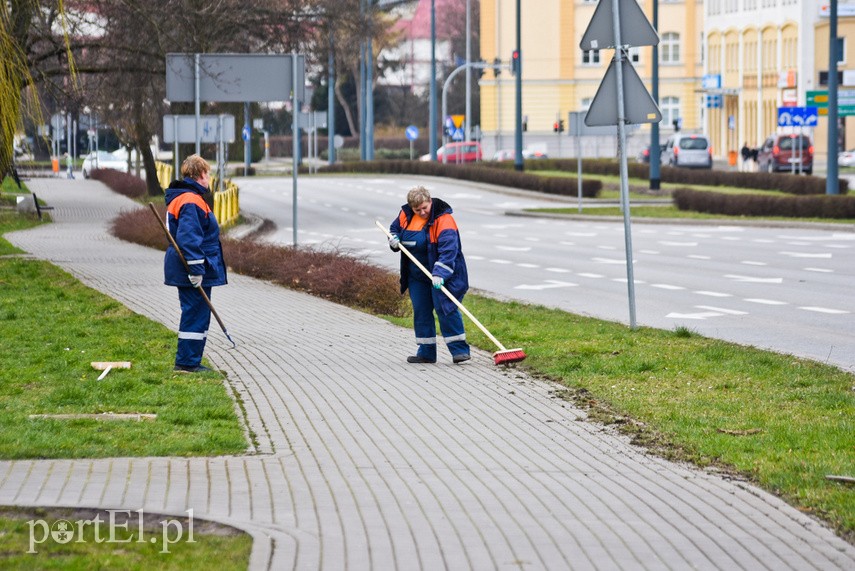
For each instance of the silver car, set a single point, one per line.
(691, 151)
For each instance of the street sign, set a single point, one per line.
(712, 101)
(186, 128)
(412, 133)
(639, 106)
(234, 77)
(245, 134)
(600, 33)
(797, 116)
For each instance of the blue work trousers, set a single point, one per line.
(425, 298)
(193, 329)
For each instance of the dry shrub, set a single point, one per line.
(123, 183)
(330, 275)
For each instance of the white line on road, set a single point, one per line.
(722, 310)
(702, 315)
(806, 254)
(667, 286)
(608, 261)
(713, 293)
(821, 270)
(754, 280)
(825, 310)
(514, 248)
(698, 257)
(672, 243)
(550, 284)
(595, 276)
(524, 265)
(765, 301)
(558, 270)
(750, 263)
(499, 261)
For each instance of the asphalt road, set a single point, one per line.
(785, 289)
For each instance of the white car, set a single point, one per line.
(103, 160)
(846, 158)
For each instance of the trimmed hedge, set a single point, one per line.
(479, 173)
(781, 182)
(130, 185)
(825, 206)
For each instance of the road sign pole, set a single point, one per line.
(624, 174)
(295, 130)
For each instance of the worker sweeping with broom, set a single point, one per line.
(194, 259)
(427, 229)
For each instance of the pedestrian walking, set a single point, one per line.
(746, 156)
(191, 221)
(426, 227)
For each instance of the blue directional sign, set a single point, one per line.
(412, 133)
(457, 134)
(245, 133)
(797, 116)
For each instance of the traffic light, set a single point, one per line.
(555, 127)
(497, 67)
(561, 125)
(515, 62)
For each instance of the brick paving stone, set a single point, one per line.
(365, 462)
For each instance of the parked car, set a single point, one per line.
(117, 160)
(644, 155)
(846, 158)
(691, 151)
(465, 152)
(786, 153)
(510, 154)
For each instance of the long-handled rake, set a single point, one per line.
(187, 268)
(501, 357)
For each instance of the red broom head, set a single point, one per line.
(508, 356)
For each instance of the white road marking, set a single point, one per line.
(731, 238)
(651, 252)
(806, 254)
(468, 257)
(722, 310)
(750, 263)
(604, 247)
(608, 261)
(821, 270)
(595, 276)
(500, 261)
(749, 279)
(667, 286)
(558, 270)
(532, 239)
(514, 248)
(702, 315)
(825, 310)
(671, 243)
(524, 265)
(550, 284)
(624, 280)
(583, 234)
(766, 301)
(698, 257)
(713, 293)
(798, 243)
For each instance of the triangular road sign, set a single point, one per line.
(635, 30)
(638, 105)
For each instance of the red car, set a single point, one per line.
(786, 153)
(466, 152)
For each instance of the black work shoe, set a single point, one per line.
(417, 359)
(460, 358)
(196, 369)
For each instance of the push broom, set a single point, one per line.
(501, 357)
(187, 268)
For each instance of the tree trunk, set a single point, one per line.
(347, 112)
(150, 171)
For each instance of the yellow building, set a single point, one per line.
(558, 77)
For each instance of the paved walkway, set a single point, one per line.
(365, 462)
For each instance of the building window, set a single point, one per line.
(585, 104)
(591, 57)
(669, 48)
(670, 107)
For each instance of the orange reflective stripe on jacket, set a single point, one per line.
(187, 198)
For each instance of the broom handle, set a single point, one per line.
(445, 291)
(187, 268)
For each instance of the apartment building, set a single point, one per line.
(558, 77)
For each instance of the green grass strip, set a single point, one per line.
(221, 548)
(53, 327)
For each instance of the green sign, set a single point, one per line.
(845, 102)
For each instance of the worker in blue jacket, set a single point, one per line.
(427, 229)
(192, 223)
